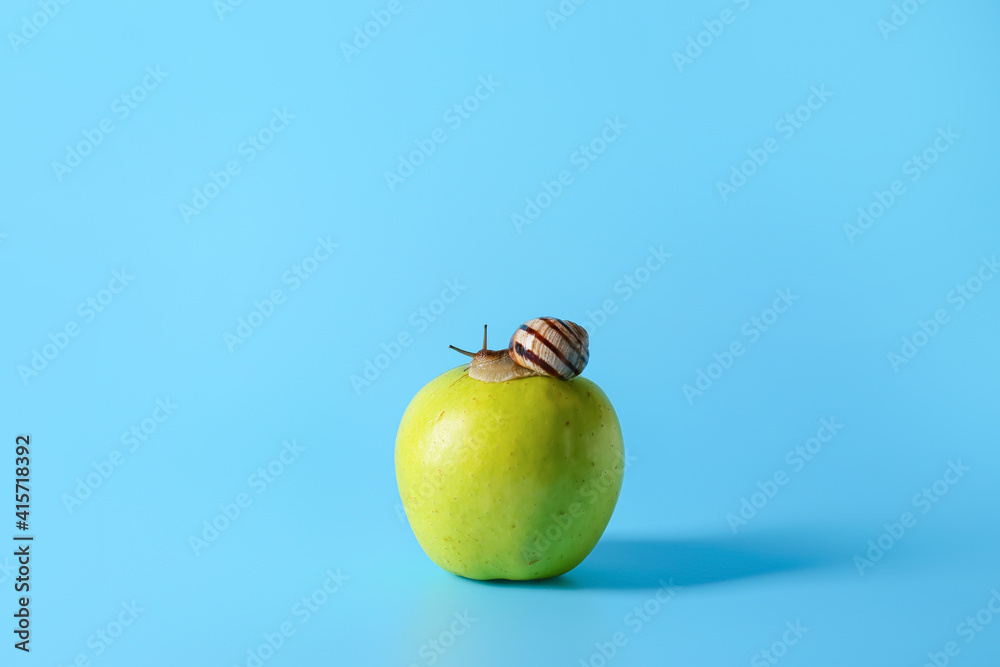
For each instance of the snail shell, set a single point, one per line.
(549, 346)
(542, 346)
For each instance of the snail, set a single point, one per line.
(542, 346)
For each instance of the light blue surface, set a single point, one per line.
(663, 133)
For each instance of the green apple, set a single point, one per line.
(509, 480)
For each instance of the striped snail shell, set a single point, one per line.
(543, 346)
(557, 348)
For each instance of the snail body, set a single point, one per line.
(542, 346)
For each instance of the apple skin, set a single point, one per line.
(509, 480)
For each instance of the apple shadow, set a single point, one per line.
(650, 563)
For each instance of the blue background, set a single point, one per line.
(557, 82)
